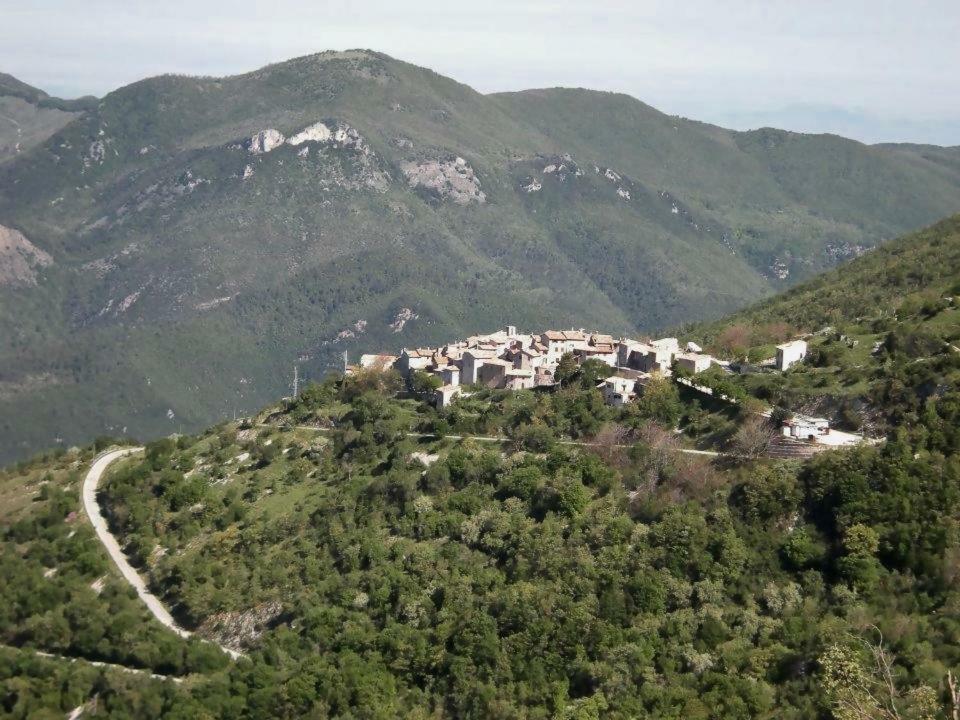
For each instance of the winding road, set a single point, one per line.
(92, 509)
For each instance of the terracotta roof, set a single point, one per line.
(480, 353)
(601, 339)
(554, 335)
(598, 349)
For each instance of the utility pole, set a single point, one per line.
(296, 381)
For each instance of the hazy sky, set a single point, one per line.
(871, 69)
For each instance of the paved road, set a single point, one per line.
(92, 508)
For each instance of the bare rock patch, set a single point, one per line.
(20, 259)
(452, 180)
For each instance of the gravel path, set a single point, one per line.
(494, 439)
(92, 508)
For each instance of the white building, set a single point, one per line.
(473, 360)
(804, 427)
(561, 342)
(449, 374)
(377, 362)
(446, 394)
(693, 362)
(411, 360)
(618, 390)
(598, 347)
(671, 345)
(790, 353)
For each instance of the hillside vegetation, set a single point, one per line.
(194, 257)
(924, 265)
(372, 574)
(29, 116)
(374, 560)
(883, 334)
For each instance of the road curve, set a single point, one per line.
(92, 509)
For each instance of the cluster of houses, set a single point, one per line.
(511, 360)
(507, 359)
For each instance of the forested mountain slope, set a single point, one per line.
(29, 116)
(921, 265)
(184, 241)
(883, 335)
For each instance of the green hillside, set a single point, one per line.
(29, 116)
(527, 554)
(368, 572)
(925, 264)
(189, 272)
(883, 333)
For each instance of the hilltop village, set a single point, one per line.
(507, 359)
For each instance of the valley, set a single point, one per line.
(183, 242)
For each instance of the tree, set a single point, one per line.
(859, 682)
(424, 383)
(659, 401)
(860, 565)
(734, 340)
(534, 438)
(753, 438)
(365, 380)
(566, 368)
(592, 371)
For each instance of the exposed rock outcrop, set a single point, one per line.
(265, 141)
(403, 317)
(532, 185)
(20, 259)
(318, 132)
(451, 180)
(239, 629)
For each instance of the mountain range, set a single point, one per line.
(170, 251)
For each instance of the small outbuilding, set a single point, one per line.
(790, 353)
(804, 427)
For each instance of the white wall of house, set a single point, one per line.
(790, 353)
(693, 362)
(407, 363)
(472, 362)
(446, 394)
(450, 375)
(618, 390)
